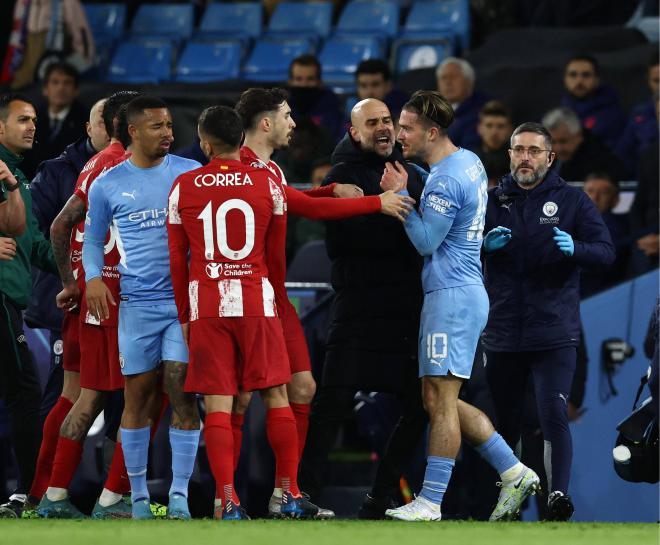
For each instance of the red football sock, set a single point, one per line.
(237, 431)
(67, 459)
(301, 414)
(117, 480)
(48, 447)
(282, 436)
(220, 451)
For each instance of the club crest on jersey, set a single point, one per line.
(214, 270)
(278, 198)
(550, 209)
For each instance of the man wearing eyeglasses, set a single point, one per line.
(540, 232)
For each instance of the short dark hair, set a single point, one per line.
(256, 102)
(306, 60)
(536, 128)
(374, 66)
(65, 68)
(601, 175)
(654, 59)
(111, 108)
(431, 108)
(495, 108)
(222, 125)
(6, 100)
(586, 58)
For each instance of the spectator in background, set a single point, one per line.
(61, 121)
(455, 78)
(596, 105)
(642, 126)
(309, 98)
(604, 193)
(644, 213)
(305, 230)
(578, 151)
(494, 128)
(374, 80)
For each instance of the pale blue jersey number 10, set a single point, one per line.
(476, 230)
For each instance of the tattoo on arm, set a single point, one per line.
(60, 235)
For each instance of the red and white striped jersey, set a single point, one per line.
(97, 165)
(222, 213)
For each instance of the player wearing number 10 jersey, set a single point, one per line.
(222, 213)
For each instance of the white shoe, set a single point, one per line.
(417, 510)
(514, 494)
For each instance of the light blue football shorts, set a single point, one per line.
(452, 321)
(148, 335)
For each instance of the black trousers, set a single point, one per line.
(20, 390)
(333, 405)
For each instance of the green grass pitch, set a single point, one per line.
(267, 532)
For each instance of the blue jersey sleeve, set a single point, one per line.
(96, 226)
(441, 201)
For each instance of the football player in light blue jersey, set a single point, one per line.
(448, 232)
(132, 197)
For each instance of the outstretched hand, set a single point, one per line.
(395, 177)
(497, 238)
(347, 191)
(395, 205)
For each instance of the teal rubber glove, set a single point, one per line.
(564, 242)
(497, 238)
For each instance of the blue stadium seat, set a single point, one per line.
(270, 58)
(410, 54)
(301, 19)
(209, 61)
(440, 16)
(227, 20)
(341, 55)
(370, 17)
(142, 62)
(171, 21)
(106, 21)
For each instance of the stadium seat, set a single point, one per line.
(440, 16)
(228, 20)
(142, 62)
(341, 55)
(411, 54)
(369, 17)
(209, 61)
(296, 19)
(171, 21)
(310, 264)
(106, 21)
(270, 58)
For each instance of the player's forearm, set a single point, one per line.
(326, 208)
(92, 257)
(60, 236)
(426, 234)
(12, 214)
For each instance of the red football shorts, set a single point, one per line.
(99, 354)
(71, 347)
(294, 337)
(228, 353)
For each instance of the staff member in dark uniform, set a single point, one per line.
(541, 232)
(19, 382)
(372, 340)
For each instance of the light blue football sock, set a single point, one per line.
(135, 444)
(436, 478)
(497, 453)
(184, 449)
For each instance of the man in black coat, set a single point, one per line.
(541, 232)
(60, 121)
(372, 339)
